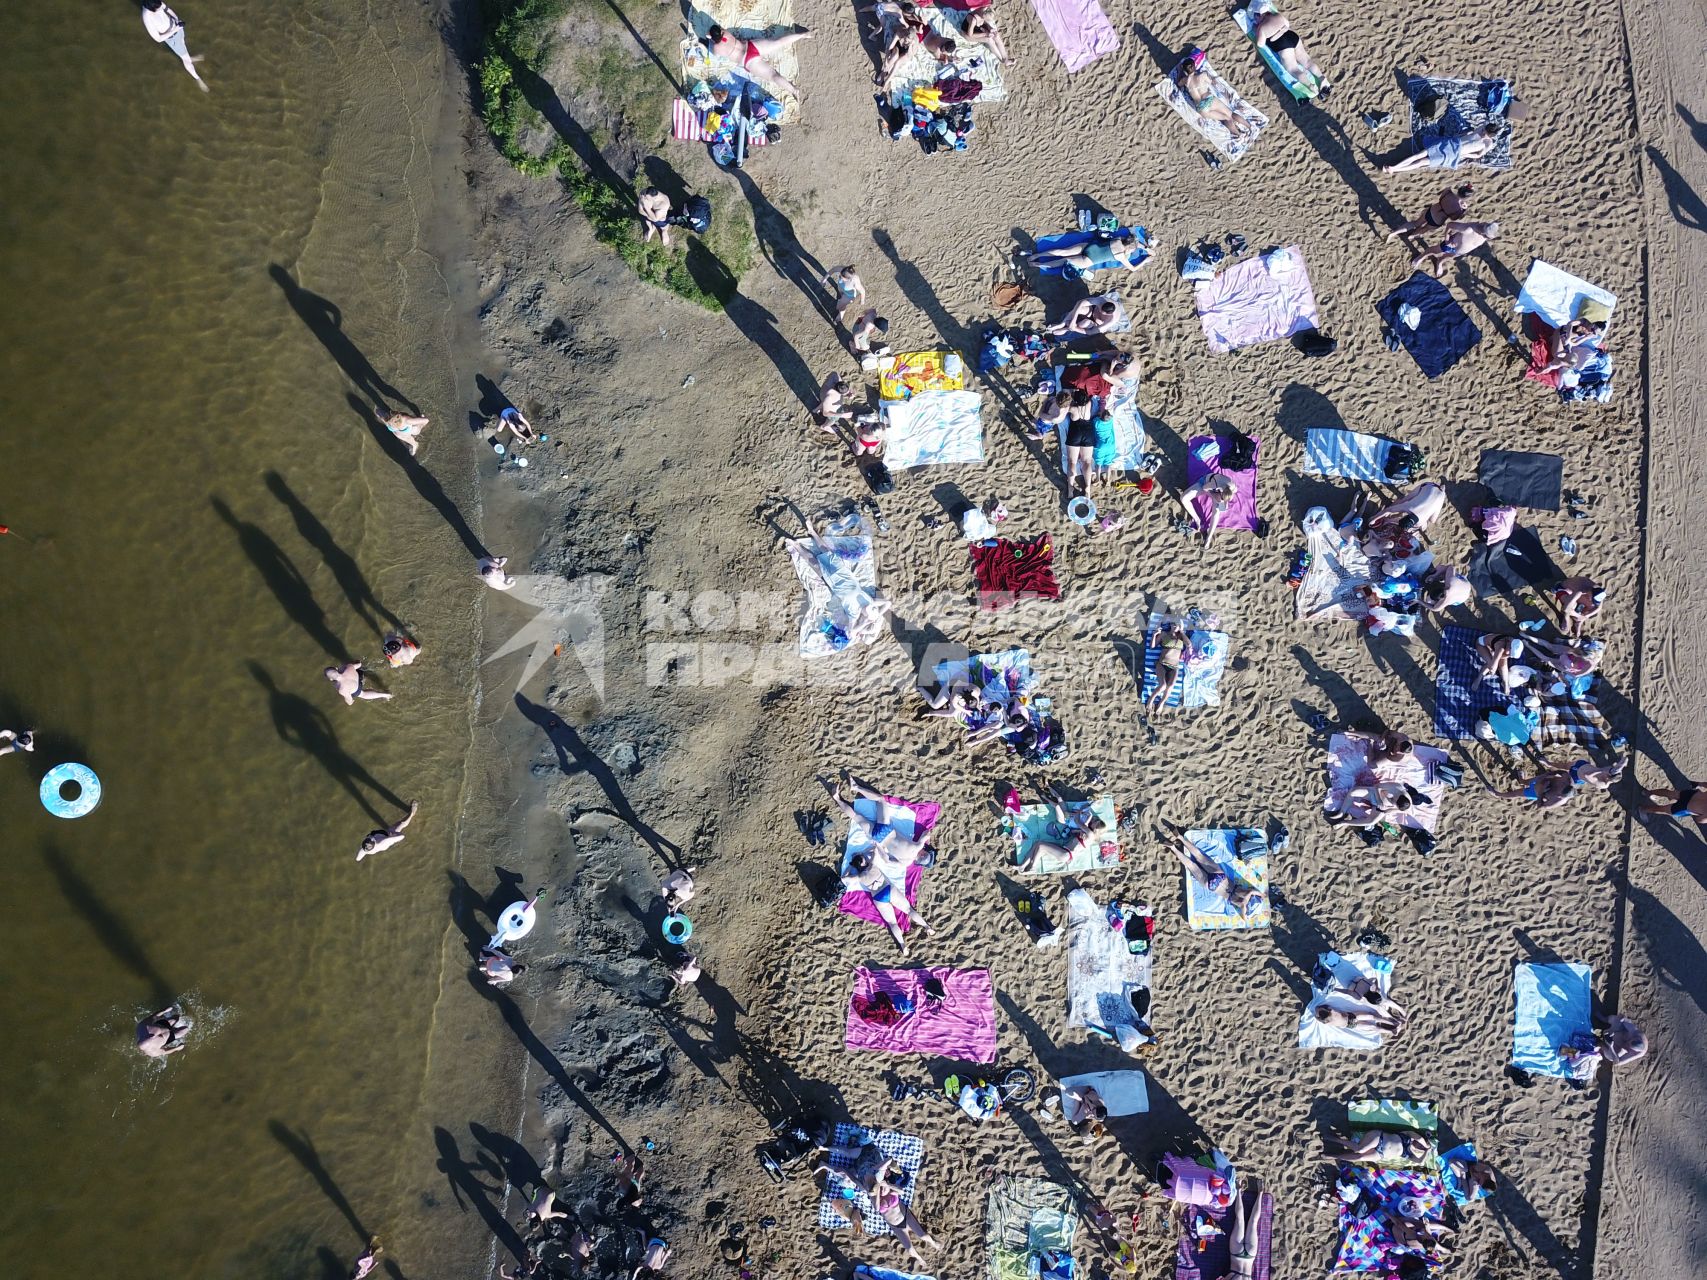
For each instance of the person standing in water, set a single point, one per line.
(348, 679)
(385, 837)
(491, 571)
(368, 1260)
(168, 29)
(17, 740)
(162, 1033)
(407, 428)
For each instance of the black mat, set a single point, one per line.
(1506, 568)
(1534, 480)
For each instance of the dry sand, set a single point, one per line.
(658, 488)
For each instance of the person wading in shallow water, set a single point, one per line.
(168, 29)
(379, 841)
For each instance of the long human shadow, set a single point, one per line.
(755, 323)
(645, 46)
(782, 249)
(1347, 702)
(465, 1186)
(426, 484)
(301, 724)
(521, 1170)
(301, 1147)
(326, 323)
(1697, 128)
(109, 929)
(1686, 205)
(284, 580)
(575, 756)
(351, 581)
(917, 290)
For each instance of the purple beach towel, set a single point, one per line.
(1079, 30)
(1213, 1262)
(963, 1027)
(1261, 299)
(1243, 513)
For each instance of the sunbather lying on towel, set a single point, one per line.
(1553, 787)
(1083, 831)
(1447, 152)
(1089, 255)
(894, 852)
(1110, 375)
(1170, 644)
(1084, 1111)
(1242, 897)
(1570, 658)
(1375, 1144)
(1424, 1235)
(1200, 91)
(1618, 1041)
(1056, 406)
(863, 873)
(1089, 318)
(1361, 1020)
(1688, 801)
(1082, 433)
(1217, 493)
(1244, 1231)
(750, 55)
(1452, 204)
(1412, 514)
(1461, 238)
(1579, 600)
(1273, 30)
(1368, 806)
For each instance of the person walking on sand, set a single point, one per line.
(491, 571)
(167, 28)
(17, 740)
(849, 288)
(1686, 802)
(677, 888)
(655, 213)
(381, 840)
(498, 968)
(407, 428)
(1461, 238)
(1451, 205)
(348, 681)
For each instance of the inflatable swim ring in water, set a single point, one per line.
(70, 790)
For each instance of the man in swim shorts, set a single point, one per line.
(162, 1033)
(385, 837)
(655, 213)
(348, 681)
(1447, 152)
(1688, 801)
(1461, 238)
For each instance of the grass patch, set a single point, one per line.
(513, 56)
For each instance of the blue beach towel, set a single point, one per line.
(1205, 911)
(1199, 683)
(1443, 336)
(1329, 451)
(1073, 239)
(1461, 696)
(1552, 1010)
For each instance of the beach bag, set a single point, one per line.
(1313, 342)
(878, 477)
(1240, 453)
(695, 215)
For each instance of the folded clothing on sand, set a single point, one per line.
(1204, 454)
(962, 1026)
(1553, 1011)
(1206, 911)
(1534, 480)
(841, 1188)
(1079, 30)
(1261, 299)
(1007, 571)
(1214, 132)
(1443, 334)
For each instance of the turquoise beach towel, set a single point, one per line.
(1552, 1007)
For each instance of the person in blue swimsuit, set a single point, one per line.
(1117, 251)
(1461, 238)
(849, 289)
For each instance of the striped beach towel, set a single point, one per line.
(1330, 451)
(688, 125)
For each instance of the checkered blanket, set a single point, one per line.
(1366, 1243)
(1464, 112)
(839, 1187)
(1461, 696)
(1573, 722)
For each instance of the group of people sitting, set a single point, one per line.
(1009, 716)
(884, 1181)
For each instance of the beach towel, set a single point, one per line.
(1330, 451)
(1124, 1093)
(1513, 565)
(1461, 696)
(911, 821)
(1460, 1193)
(1573, 721)
(1534, 480)
(1022, 1215)
(973, 61)
(1000, 678)
(1199, 683)
(1251, 302)
(1213, 1261)
(1242, 512)
(1247, 17)
(1555, 296)
(1214, 132)
(1336, 570)
(1398, 1116)
(962, 1027)
(687, 124)
(1126, 453)
(842, 604)
(1103, 976)
(1073, 239)
(743, 19)
(862, 1271)
(900, 376)
(1079, 30)
(1464, 112)
(1553, 1011)
(1346, 969)
(1443, 336)
(1205, 911)
(1349, 766)
(1035, 823)
(840, 1187)
(933, 428)
(1008, 571)
(1367, 1242)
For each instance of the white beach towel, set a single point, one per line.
(1555, 295)
(933, 428)
(1346, 969)
(1333, 451)
(1124, 1093)
(1103, 975)
(1348, 760)
(1213, 132)
(975, 62)
(1337, 569)
(840, 581)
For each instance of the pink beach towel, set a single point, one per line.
(1242, 514)
(1250, 303)
(962, 1027)
(1079, 30)
(857, 902)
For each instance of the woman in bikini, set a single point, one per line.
(1688, 801)
(1170, 645)
(1244, 1234)
(1200, 91)
(1375, 1145)
(1080, 830)
(1119, 251)
(1461, 238)
(1218, 490)
(1452, 205)
(750, 55)
(1578, 600)
(895, 27)
(1275, 31)
(1243, 898)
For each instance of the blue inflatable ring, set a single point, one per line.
(80, 780)
(677, 928)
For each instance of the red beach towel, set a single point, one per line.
(1006, 571)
